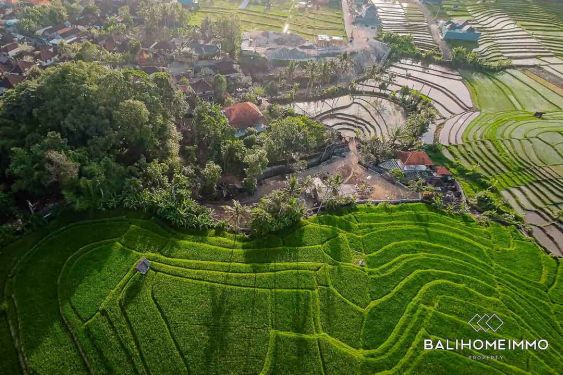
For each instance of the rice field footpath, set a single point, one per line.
(350, 293)
(282, 16)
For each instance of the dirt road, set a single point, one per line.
(435, 31)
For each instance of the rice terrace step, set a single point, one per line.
(281, 187)
(296, 300)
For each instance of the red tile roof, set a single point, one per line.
(243, 115)
(415, 158)
(442, 171)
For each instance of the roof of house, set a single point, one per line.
(9, 47)
(243, 115)
(415, 158)
(46, 54)
(152, 69)
(201, 86)
(143, 266)
(226, 67)
(205, 49)
(186, 89)
(65, 33)
(23, 66)
(390, 164)
(442, 171)
(164, 45)
(11, 80)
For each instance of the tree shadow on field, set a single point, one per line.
(217, 328)
(39, 296)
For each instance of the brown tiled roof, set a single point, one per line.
(200, 86)
(9, 47)
(415, 158)
(442, 171)
(66, 33)
(12, 80)
(243, 115)
(23, 66)
(46, 54)
(63, 30)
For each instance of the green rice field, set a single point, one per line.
(511, 90)
(523, 156)
(543, 19)
(282, 16)
(354, 293)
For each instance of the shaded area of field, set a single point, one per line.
(293, 302)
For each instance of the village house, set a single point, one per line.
(413, 164)
(459, 30)
(204, 51)
(414, 161)
(202, 89)
(46, 56)
(10, 49)
(325, 41)
(22, 67)
(190, 4)
(9, 82)
(242, 116)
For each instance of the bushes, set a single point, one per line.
(276, 211)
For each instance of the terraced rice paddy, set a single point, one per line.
(370, 115)
(283, 16)
(444, 86)
(405, 18)
(295, 302)
(526, 32)
(348, 114)
(512, 90)
(524, 155)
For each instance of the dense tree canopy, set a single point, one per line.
(291, 137)
(79, 129)
(100, 138)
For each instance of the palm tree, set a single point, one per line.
(235, 213)
(291, 70)
(292, 186)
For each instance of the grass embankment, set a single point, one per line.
(294, 302)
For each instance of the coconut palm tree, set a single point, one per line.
(235, 213)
